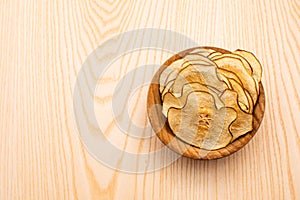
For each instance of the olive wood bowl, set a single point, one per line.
(161, 127)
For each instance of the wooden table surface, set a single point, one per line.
(43, 45)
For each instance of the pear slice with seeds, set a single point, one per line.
(199, 123)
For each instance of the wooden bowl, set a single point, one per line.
(161, 127)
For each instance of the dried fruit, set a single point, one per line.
(167, 88)
(254, 63)
(212, 55)
(170, 100)
(244, 62)
(235, 65)
(205, 75)
(200, 123)
(202, 51)
(171, 71)
(242, 99)
(209, 96)
(243, 123)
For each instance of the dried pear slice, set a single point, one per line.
(219, 132)
(212, 55)
(235, 65)
(254, 63)
(197, 86)
(245, 63)
(224, 79)
(174, 66)
(224, 75)
(200, 59)
(237, 87)
(243, 123)
(251, 106)
(186, 61)
(169, 100)
(197, 73)
(242, 97)
(165, 73)
(187, 86)
(202, 51)
(200, 124)
(229, 74)
(167, 87)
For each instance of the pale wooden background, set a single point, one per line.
(42, 47)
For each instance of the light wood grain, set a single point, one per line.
(42, 47)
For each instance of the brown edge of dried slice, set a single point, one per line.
(240, 125)
(202, 51)
(167, 88)
(254, 63)
(242, 98)
(212, 55)
(185, 62)
(193, 74)
(169, 100)
(240, 71)
(165, 134)
(229, 74)
(245, 63)
(172, 68)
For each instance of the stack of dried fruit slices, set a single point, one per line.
(208, 96)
